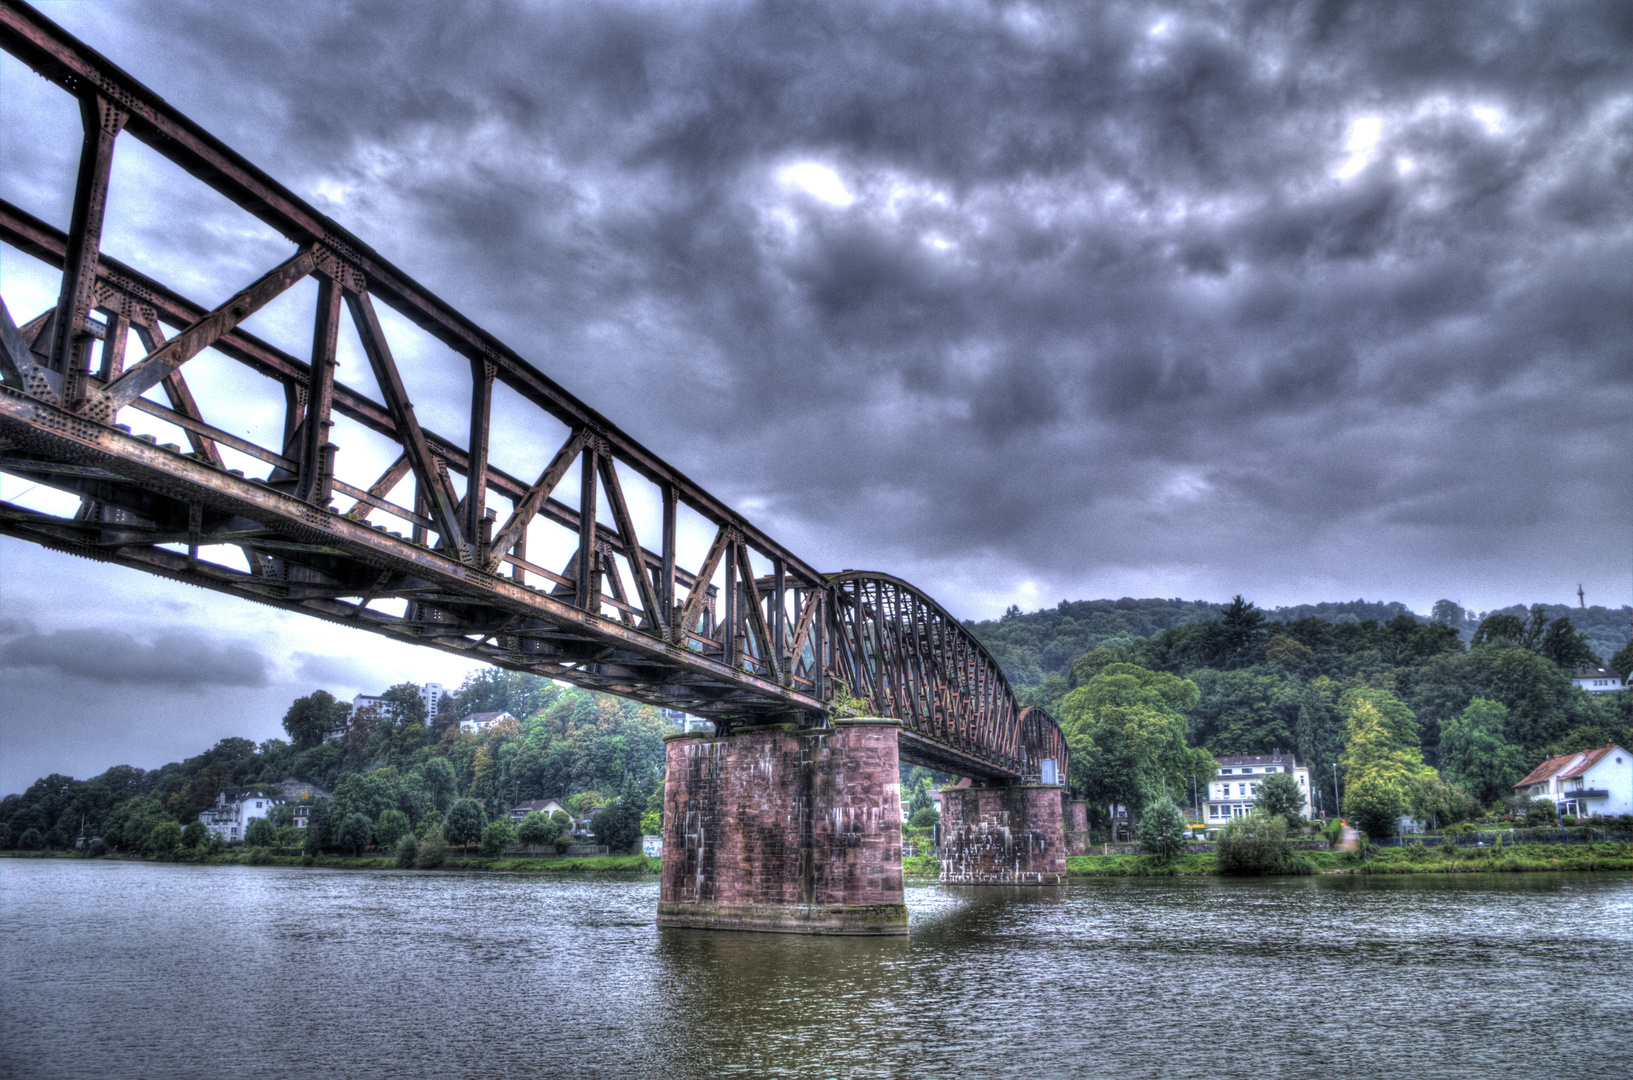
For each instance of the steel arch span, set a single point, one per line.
(429, 541)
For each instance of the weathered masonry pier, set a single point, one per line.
(785, 829)
(819, 684)
(798, 830)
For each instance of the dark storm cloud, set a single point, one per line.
(1096, 284)
(182, 661)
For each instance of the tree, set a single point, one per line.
(260, 833)
(31, 840)
(1380, 756)
(924, 818)
(402, 706)
(312, 717)
(391, 826)
(438, 778)
(1504, 630)
(195, 835)
(465, 822)
(1567, 646)
(164, 839)
(408, 850)
(1434, 802)
(319, 824)
(537, 830)
(356, 832)
(1281, 795)
(1255, 844)
(1126, 731)
(619, 827)
(1474, 754)
(1162, 829)
(498, 835)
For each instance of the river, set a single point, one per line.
(132, 970)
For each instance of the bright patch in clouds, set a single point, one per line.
(818, 181)
(1361, 145)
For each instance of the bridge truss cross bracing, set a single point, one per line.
(434, 547)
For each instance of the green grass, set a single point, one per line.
(1408, 860)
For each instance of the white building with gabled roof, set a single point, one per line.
(1589, 783)
(1234, 791)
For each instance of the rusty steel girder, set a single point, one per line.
(752, 635)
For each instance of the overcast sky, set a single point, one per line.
(1021, 302)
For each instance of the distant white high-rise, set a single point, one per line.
(430, 693)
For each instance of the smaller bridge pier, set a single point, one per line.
(1004, 834)
(785, 829)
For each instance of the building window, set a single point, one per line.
(1241, 789)
(1224, 772)
(1270, 769)
(1255, 789)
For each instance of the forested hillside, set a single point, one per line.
(1250, 681)
(565, 743)
(1233, 679)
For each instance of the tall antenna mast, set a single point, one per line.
(1581, 597)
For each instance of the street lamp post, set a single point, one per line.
(1338, 802)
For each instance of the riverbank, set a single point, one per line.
(1411, 859)
(588, 864)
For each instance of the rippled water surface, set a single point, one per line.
(135, 970)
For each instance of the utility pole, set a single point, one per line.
(1338, 802)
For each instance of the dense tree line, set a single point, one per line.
(1416, 702)
(396, 771)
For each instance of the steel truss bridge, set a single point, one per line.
(434, 549)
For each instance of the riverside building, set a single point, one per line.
(1233, 792)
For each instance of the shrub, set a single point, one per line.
(408, 851)
(31, 840)
(98, 848)
(924, 818)
(195, 835)
(259, 856)
(1162, 829)
(1256, 844)
(498, 834)
(433, 850)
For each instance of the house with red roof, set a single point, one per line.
(1591, 783)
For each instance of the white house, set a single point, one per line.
(1234, 791)
(543, 806)
(235, 808)
(478, 722)
(1597, 680)
(1592, 783)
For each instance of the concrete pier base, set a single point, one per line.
(1008, 835)
(785, 830)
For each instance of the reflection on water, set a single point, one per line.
(141, 970)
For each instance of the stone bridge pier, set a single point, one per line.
(1003, 834)
(785, 829)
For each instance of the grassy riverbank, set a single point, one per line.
(1411, 859)
(603, 864)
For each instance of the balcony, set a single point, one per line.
(1585, 793)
